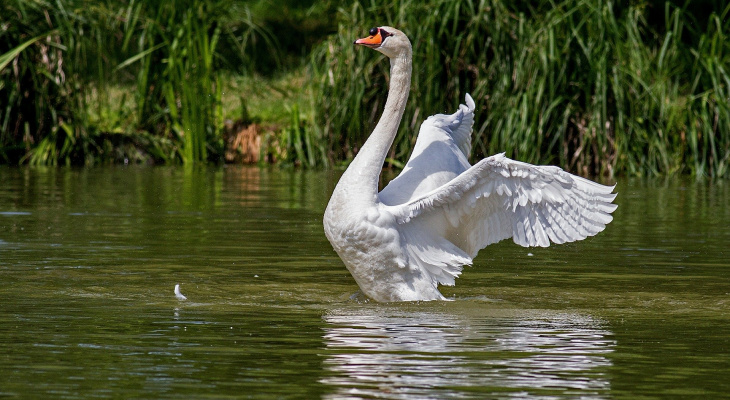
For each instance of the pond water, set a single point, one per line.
(89, 259)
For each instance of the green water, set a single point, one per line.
(89, 259)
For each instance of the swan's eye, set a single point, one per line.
(373, 31)
(385, 33)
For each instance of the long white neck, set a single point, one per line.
(364, 171)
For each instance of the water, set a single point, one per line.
(89, 259)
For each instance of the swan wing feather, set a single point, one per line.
(499, 198)
(458, 126)
(440, 154)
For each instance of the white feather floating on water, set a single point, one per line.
(179, 295)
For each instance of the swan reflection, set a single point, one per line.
(407, 354)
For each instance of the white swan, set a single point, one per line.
(432, 219)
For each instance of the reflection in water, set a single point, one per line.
(407, 354)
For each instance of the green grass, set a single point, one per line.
(267, 99)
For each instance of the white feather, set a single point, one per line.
(179, 295)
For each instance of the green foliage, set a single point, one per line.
(36, 97)
(599, 87)
(302, 145)
(590, 85)
(64, 61)
(178, 89)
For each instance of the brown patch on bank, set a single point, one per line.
(243, 143)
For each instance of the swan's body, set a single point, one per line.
(432, 219)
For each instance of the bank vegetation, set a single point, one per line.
(599, 87)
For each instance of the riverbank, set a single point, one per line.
(599, 88)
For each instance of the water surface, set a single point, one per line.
(89, 259)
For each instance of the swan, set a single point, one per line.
(432, 219)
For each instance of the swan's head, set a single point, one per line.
(387, 40)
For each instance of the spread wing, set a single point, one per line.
(440, 154)
(496, 199)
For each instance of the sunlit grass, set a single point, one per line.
(267, 99)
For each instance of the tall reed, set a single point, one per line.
(37, 97)
(178, 90)
(52, 86)
(63, 64)
(591, 85)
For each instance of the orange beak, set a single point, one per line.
(372, 41)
